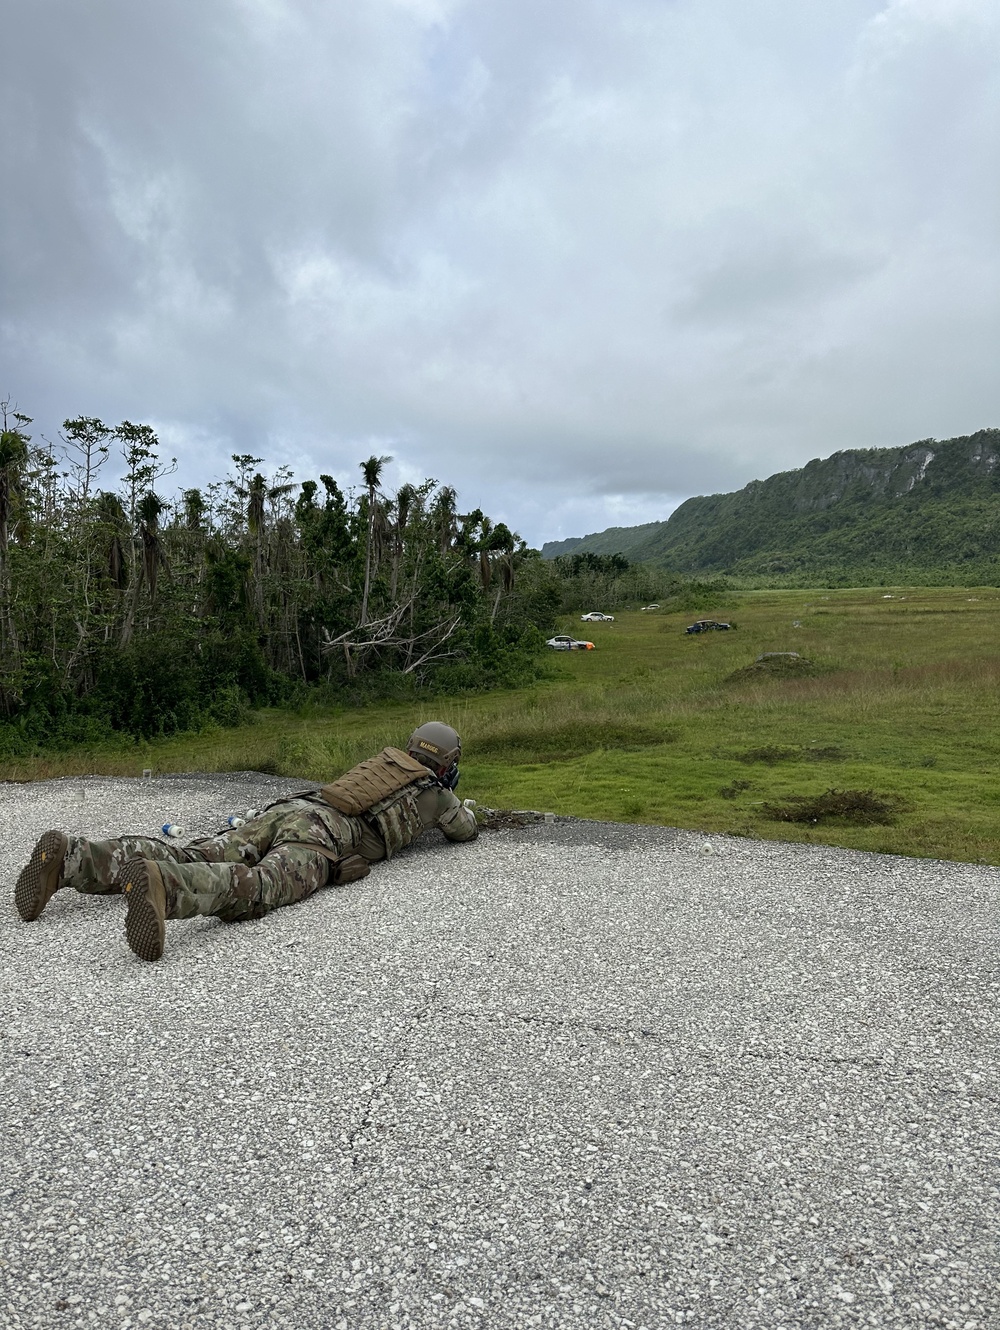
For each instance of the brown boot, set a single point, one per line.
(41, 877)
(146, 907)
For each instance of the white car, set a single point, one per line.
(565, 643)
(649, 607)
(595, 616)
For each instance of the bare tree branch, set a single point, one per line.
(383, 634)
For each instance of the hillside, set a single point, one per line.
(616, 540)
(928, 507)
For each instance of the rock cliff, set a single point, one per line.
(929, 505)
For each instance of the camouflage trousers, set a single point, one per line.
(275, 859)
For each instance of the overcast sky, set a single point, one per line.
(579, 258)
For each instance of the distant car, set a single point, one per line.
(649, 607)
(707, 626)
(564, 643)
(595, 616)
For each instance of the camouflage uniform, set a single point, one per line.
(275, 859)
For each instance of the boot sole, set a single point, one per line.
(39, 879)
(144, 926)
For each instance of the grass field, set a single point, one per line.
(650, 727)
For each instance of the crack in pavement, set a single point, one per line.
(572, 1022)
(632, 1032)
(365, 1121)
(762, 1055)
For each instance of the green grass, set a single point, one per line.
(650, 727)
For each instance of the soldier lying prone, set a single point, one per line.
(290, 850)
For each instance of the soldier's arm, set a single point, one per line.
(442, 808)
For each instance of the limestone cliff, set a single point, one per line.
(929, 505)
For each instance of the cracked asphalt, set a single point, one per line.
(575, 1075)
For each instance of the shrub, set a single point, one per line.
(862, 807)
(231, 706)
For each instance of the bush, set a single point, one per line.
(149, 688)
(231, 706)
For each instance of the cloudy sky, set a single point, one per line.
(579, 258)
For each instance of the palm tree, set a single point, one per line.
(13, 458)
(485, 545)
(148, 511)
(507, 545)
(258, 495)
(195, 509)
(371, 471)
(151, 558)
(404, 502)
(445, 518)
(113, 527)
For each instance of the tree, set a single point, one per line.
(405, 496)
(13, 459)
(504, 543)
(195, 509)
(371, 472)
(112, 534)
(151, 544)
(151, 558)
(485, 548)
(141, 454)
(445, 518)
(258, 494)
(87, 449)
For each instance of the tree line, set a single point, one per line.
(123, 609)
(604, 581)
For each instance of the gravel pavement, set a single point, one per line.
(575, 1075)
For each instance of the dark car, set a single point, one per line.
(707, 626)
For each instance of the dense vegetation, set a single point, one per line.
(927, 513)
(123, 611)
(605, 582)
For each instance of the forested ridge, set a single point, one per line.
(926, 512)
(126, 611)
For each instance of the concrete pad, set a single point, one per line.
(574, 1075)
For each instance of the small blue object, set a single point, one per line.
(234, 820)
(172, 829)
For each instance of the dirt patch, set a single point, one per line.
(828, 753)
(770, 754)
(861, 807)
(735, 788)
(510, 819)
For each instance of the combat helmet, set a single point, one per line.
(435, 744)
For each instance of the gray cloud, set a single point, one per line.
(622, 251)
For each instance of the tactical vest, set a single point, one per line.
(398, 818)
(359, 790)
(383, 790)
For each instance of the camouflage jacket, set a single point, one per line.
(386, 828)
